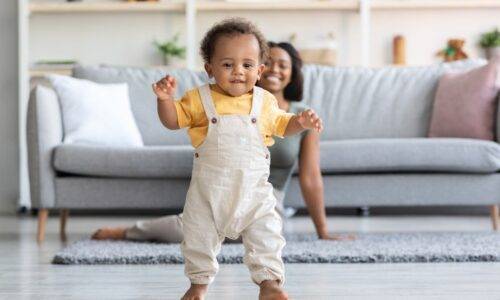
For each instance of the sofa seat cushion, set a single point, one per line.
(133, 162)
(410, 155)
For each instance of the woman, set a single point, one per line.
(283, 78)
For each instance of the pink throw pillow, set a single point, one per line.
(465, 104)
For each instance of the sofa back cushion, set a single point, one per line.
(388, 102)
(354, 102)
(466, 102)
(142, 98)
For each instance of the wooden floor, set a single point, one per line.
(26, 272)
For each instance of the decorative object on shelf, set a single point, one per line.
(490, 42)
(253, 1)
(322, 51)
(43, 67)
(55, 62)
(453, 50)
(170, 49)
(399, 50)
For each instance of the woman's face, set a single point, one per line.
(278, 71)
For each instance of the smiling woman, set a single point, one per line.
(284, 79)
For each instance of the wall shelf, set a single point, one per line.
(433, 4)
(93, 7)
(300, 5)
(43, 72)
(179, 6)
(278, 5)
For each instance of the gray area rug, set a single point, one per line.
(367, 248)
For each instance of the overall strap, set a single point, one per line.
(208, 103)
(257, 100)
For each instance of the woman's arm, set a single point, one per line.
(311, 181)
(311, 185)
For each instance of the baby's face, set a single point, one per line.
(235, 64)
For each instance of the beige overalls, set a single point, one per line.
(229, 195)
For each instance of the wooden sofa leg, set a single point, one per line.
(43, 213)
(63, 219)
(494, 214)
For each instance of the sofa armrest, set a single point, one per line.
(44, 132)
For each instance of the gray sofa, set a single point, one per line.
(374, 150)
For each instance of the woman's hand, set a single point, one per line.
(308, 119)
(165, 88)
(337, 237)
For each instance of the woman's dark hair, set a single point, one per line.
(231, 27)
(295, 89)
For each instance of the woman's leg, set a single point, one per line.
(280, 207)
(166, 229)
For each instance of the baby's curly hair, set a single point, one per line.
(231, 27)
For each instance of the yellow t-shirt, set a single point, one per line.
(190, 113)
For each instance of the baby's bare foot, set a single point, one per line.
(110, 233)
(196, 292)
(270, 290)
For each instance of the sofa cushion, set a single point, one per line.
(410, 155)
(136, 162)
(142, 98)
(466, 102)
(96, 114)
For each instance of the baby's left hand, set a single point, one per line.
(308, 119)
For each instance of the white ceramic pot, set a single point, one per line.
(492, 52)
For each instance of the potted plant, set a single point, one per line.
(490, 41)
(170, 49)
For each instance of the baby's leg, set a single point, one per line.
(200, 247)
(263, 245)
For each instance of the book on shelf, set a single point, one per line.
(55, 64)
(43, 67)
(259, 1)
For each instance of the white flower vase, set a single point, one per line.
(492, 52)
(174, 62)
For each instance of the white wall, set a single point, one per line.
(427, 30)
(125, 38)
(9, 174)
(116, 38)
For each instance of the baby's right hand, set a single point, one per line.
(165, 88)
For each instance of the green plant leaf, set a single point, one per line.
(171, 47)
(490, 39)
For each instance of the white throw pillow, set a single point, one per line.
(97, 114)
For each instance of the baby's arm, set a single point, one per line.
(307, 119)
(165, 91)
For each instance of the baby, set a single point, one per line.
(231, 124)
